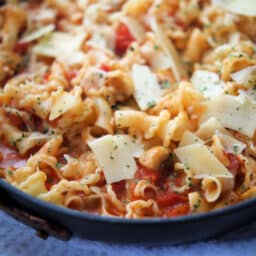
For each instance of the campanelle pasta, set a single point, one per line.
(130, 108)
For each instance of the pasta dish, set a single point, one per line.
(130, 108)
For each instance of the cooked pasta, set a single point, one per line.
(130, 109)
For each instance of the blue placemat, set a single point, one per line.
(19, 240)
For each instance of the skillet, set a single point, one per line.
(63, 223)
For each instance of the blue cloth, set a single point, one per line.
(19, 240)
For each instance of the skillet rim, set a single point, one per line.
(116, 220)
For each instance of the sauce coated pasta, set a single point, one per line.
(130, 108)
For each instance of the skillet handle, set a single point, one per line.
(44, 228)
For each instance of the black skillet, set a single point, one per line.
(49, 219)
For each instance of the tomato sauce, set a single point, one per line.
(235, 163)
(21, 48)
(52, 179)
(119, 189)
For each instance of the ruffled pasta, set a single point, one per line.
(130, 109)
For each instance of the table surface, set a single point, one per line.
(19, 240)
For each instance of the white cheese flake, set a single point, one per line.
(233, 112)
(60, 44)
(169, 49)
(37, 34)
(208, 83)
(246, 76)
(62, 104)
(250, 94)
(243, 7)
(208, 128)
(115, 154)
(201, 162)
(147, 91)
(190, 138)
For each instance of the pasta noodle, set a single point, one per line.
(127, 108)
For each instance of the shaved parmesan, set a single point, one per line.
(246, 76)
(147, 91)
(160, 61)
(243, 7)
(208, 128)
(231, 144)
(62, 104)
(190, 138)
(233, 113)
(37, 34)
(250, 94)
(208, 83)
(201, 162)
(115, 154)
(168, 48)
(60, 44)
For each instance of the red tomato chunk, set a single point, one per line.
(123, 39)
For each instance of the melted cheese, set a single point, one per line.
(115, 154)
(201, 162)
(147, 91)
(233, 113)
(208, 83)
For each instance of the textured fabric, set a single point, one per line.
(19, 240)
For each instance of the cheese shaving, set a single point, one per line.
(37, 34)
(168, 48)
(115, 154)
(233, 113)
(147, 91)
(208, 83)
(201, 162)
(60, 44)
(243, 7)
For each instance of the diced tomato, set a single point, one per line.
(105, 67)
(178, 210)
(119, 188)
(146, 174)
(235, 163)
(72, 74)
(169, 198)
(123, 38)
(15, 119)
(180, 23)
(177, 20)
(172, 12)
(178, 181)
(33, 6)
(21, 48)
(52, 179)
(46, 76)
